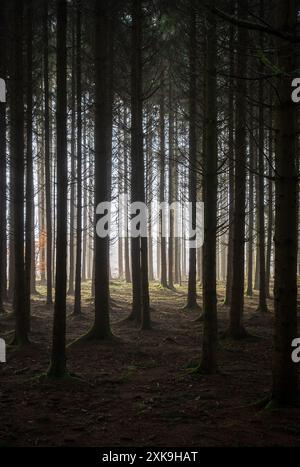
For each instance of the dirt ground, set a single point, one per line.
(139, 391)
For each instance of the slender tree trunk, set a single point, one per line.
(77, 302)
(257, 262)
(183, 238)
(29, 164)
(11, 258)
(251, 210)
(136, 313)
(120, 193)
(158, 257)
(146, 319)
(162, 163)
(149, 177)
(210, 328)
(57, 367)
(47, 159)
(139, 247)
(85, 274)
(177, 262)
(262, 306)
(126, 189)
(90, 225)
(192, 279)
(171, 189)
(236, 329)
(17, 135)
(227, 300)
(3, 163)
(42, 223)
(54, 196)
(270, 207)
(73, 175)
(150, 246)
(33, 249)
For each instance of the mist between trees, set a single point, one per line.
(133, 220)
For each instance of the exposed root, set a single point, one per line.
(93, 336)
(236, 334)
(189, 307)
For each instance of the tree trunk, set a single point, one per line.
(41, 211)
(192, 277)
(236, 329)
(262, 306)
(210, 324)
(17, 135)
(126, 189)
(47, 159)
(29, 165)
(251, 207)
(3, 163)
(139, 247)
(120, 213)
(270, 206)
(149, 178)
(73, 175)
(227, 300)
(57, 367)
(285, 378)
(85, 274)
(162, 163)
(177, 262)
(257, 262)
(171, 189)
(101, 328)
(77, 302)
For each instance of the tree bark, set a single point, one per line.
(285, 378)
(78, 269)
(227, 300)
(73, 173)
(58, 367)
(47, 159)
(126, 189)
(262, 306)
(139, 247)
(171, 190)
(162, 164)
(192, 292)
(210, 324)
(270, 205)
(3, 162)
(236, 329)
(251, 207)
(29, 164)
(101, 328)
(17, 135)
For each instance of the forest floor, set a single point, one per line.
(139, 391)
